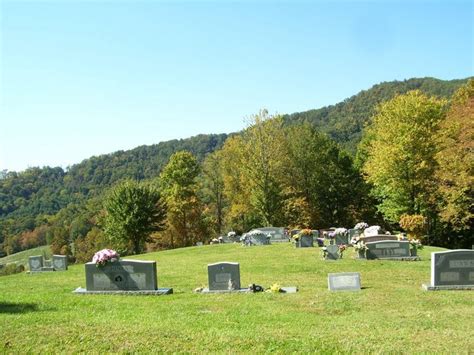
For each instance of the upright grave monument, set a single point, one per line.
(452, 270)
(122, 277)
(223, 277)
(37, 263)
(389, 249)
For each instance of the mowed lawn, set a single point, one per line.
(39, 312)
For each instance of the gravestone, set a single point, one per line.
(277, 234)
(453, 269)
(332, 252)
(341, 239)
(378, 238)
(126, 275)
(344, 281)
(259, 239)
(60, 262)
(35, 263)
(389, 249)
(224, 276)
(305, 241)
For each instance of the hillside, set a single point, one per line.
(30, 198)
(345, 121)
(391, 314)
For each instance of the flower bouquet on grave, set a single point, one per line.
(104, 256)
(361, 226)
(332, 236)
(274, 288)
(342, 248)
(361, 249)
(415, 244)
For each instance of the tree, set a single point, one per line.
(455, 172)
(179, 187)
(400, 161)
(325, 186)
(212, 183)
(133, 212)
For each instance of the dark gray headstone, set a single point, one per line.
(224, 276)
(60, 262)
(332, 252)
(453, 267)
(35, 263)
(342, 239)
(259, 239)
(126, 275)
(305, 241)
(388, 249)
(344, 281)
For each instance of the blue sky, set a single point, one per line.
(83, 78)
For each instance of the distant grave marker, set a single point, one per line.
(35, 263)
(332, 252)
(60, 262)
(389, 249)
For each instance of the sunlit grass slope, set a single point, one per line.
(22, 256)
(39, 313)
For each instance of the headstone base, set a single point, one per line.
(401, 258)
(158, 292)
(241, 290)
(289, 289)
(427, 287)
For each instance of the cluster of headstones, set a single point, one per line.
(37, 263)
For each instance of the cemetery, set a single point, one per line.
(346, 291)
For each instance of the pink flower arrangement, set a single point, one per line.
(105, 255)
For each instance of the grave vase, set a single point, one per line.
(361, 254)
(413, 251)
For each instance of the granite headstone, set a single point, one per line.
(388, 249)
(224, 276)
(453, 269)
(125, 275)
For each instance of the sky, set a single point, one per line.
(84, 78)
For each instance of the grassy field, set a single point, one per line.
(39, 313)
(22, 256)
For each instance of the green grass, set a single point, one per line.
(22, 256)
(39, 313)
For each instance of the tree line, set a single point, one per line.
(414, 159)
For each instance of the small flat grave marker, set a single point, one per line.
(344, 281)
(452, 270)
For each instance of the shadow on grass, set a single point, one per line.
(6, 307)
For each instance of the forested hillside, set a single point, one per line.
(69, 200)
(345, 121)
(30, 198)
